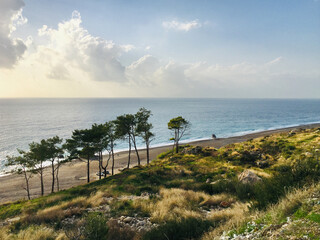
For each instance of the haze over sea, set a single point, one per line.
(25, 120)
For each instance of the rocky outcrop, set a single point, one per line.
(194, 150)
(139, 224)
(249, 177)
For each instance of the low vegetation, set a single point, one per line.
(193, 194)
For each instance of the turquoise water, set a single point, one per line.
(25, 120)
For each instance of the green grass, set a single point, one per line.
(314, 217)
(289, 168)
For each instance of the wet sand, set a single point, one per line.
(74, 173)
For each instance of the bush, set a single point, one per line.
(95, 227)
(117, 232)
(165, 154)
(302, 172)
(122, 207)
(189, 228)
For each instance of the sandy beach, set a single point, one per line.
(74, 173)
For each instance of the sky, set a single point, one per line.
(165, 48)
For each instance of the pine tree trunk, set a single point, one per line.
(57, 177)
(88, 169)
(100, 162)
(147, 145)
(27, 184)
(129, 152)
(135, 147)
(53, 177)
(112, 158)
(177, 141)
(41, 180)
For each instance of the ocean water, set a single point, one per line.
(25, 120)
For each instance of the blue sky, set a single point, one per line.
(196, 44)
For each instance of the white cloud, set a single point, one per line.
(274, 61)
(181, 26)
(11, 49)
(143, 71)
(92, 66)
(76, 48)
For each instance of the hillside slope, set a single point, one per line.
(195, 194)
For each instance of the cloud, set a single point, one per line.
(11, 49)
(142, 71)
(76, 48)
(201, 79)
(181, 26)
(93, 67)
(274, 61)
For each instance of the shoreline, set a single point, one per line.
(74, 173)
(189, 141)
(249, 133)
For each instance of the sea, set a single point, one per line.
(23, 121)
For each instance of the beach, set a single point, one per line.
(74, 173)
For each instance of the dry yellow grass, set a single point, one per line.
(238, 214)
(54, 198)
(76, 202)
(177, 204)
(260, 172)
(58, 212)
(216, 199)
(4, 235)
(33, 233)
(289, 203)
(228, 218)
(97, 199)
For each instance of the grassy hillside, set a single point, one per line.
(195, 194)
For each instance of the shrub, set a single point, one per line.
(117, 232)
(95, 227)
(314, 217)
(122, 207)
(165, 154)
(188, 228)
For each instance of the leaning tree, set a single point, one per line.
(38, 153)
(81, 145)
(124, 126)
(111, 137)
(54, 152)
(179, 126)
(22, 165)
(144, 128)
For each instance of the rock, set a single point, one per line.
(308, 154)
(214, 136)
(225, 204)
(291, 133)
(127, 219)
(11, 220)
(194, 150)
(248, 177)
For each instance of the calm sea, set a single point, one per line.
(25, 120)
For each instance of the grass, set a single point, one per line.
(297, 210)
(34, 233)
(186, 228)
(188, 189)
